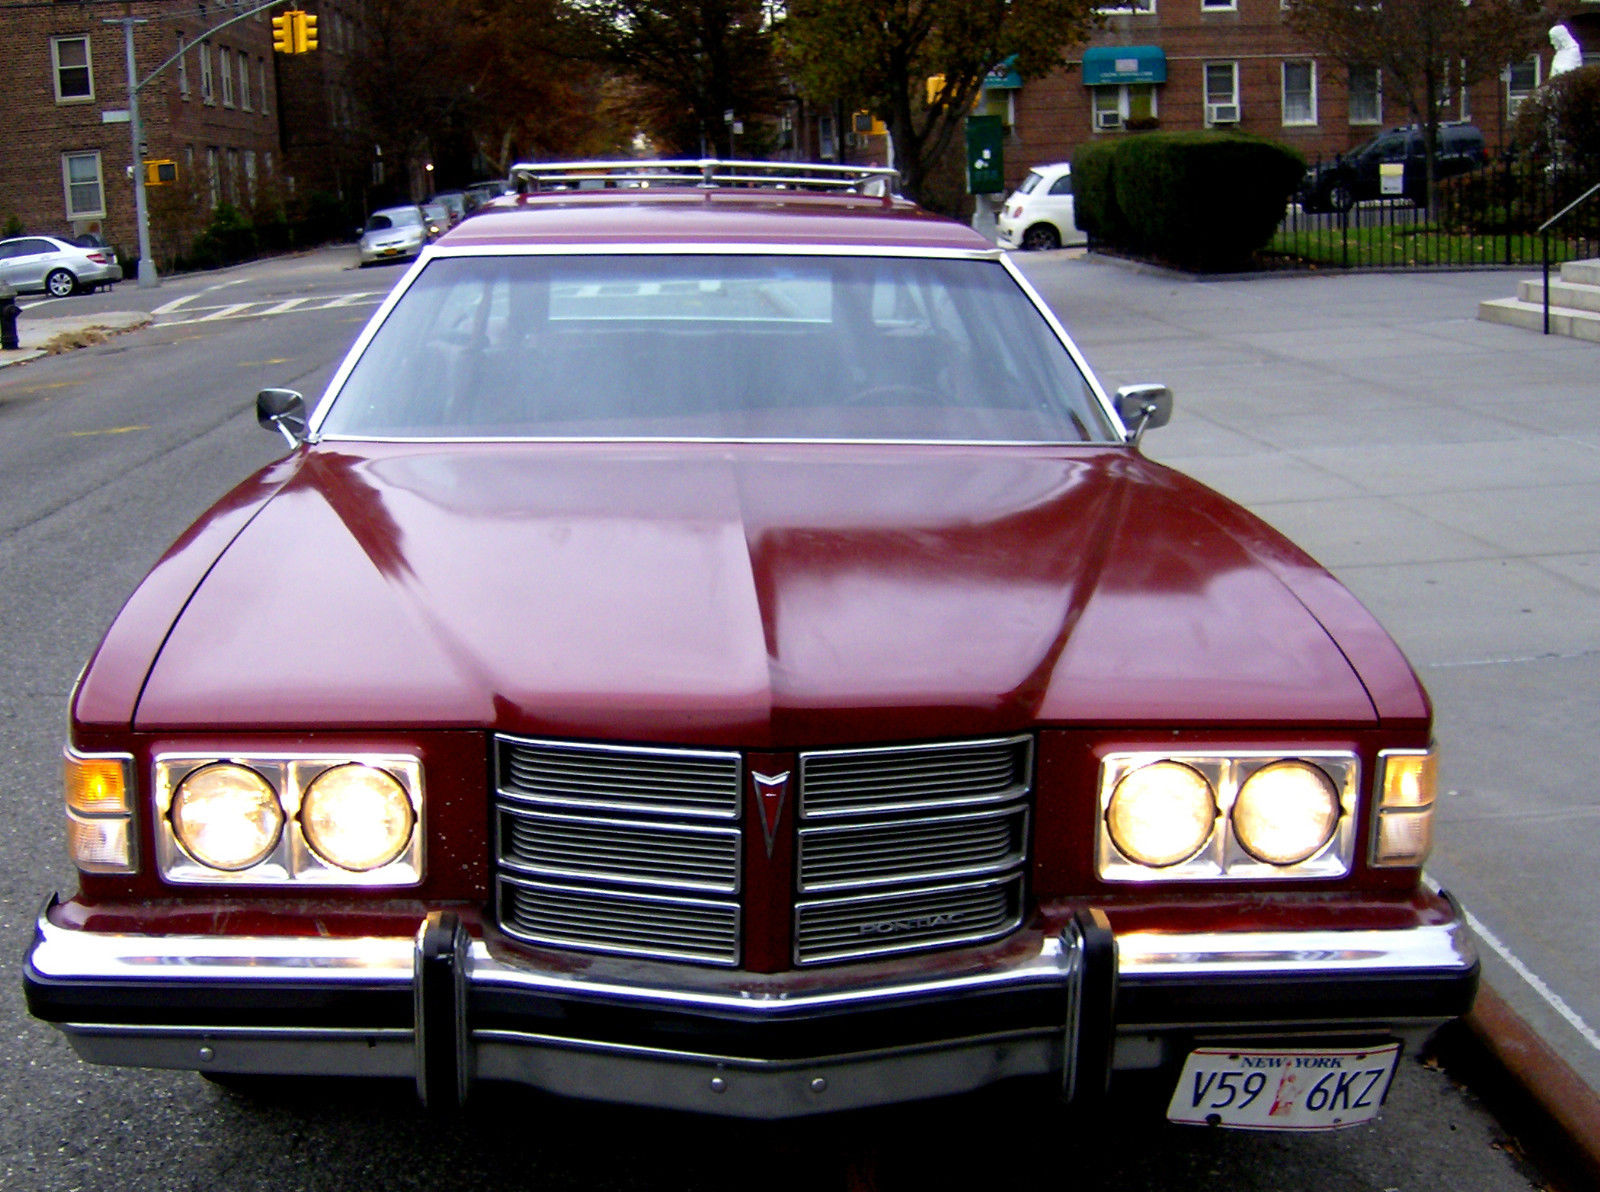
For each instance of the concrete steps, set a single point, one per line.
(1574, 303)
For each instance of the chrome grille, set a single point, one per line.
(625, 922)
(901, 848)
(851, 781)
(619, 848)
(621, 777)
(924, 848)
(645, 852)
(850, 928)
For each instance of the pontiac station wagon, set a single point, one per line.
(715, 645)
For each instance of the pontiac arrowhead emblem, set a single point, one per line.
(770, 791)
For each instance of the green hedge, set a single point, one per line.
(1205, 201)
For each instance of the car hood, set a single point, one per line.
(756, 596)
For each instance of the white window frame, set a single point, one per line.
(56, 68)
(1514, 98)
(225, 69)
(98, 211)
(1219, 5)
(214, 176)
(1376, 74)
(1122, 93)
(183, 68)
(263, 86)
(1142, 7)
(208, 82)
(244, 82)
(1210, 99)
(1310, 65)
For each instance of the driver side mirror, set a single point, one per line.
(284, 411)
(1143, 407)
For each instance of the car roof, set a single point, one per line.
(692, 215)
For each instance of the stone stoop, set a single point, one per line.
(1574, 303)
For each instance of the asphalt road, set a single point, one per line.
(106, 454)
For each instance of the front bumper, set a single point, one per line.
(448, 1009)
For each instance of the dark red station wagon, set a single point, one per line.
(715, 645)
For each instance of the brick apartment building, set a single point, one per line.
(65, 169)
(1192, 64)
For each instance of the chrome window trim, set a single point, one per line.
(292, 862)
(1222, 858)
(688, 248)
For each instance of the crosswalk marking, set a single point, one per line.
(261, 310)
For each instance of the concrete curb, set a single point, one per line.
(1552, 1108)
(43, 337)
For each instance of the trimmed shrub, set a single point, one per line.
(1094, 192)
(227, 240)
(1205, 201)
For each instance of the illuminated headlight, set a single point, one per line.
(273, 819)
(1161, 814)
(226, 816)
(1285, 812)
(356, 817)
(1246, 815)
(99, 811)
(1403, 835)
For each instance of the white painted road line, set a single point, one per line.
(1553, 999)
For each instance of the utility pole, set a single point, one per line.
(141, 213)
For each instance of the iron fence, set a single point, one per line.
(1490, 216)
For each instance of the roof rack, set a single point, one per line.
(707, 172)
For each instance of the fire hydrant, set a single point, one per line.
(9, 310)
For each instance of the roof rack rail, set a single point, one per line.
(706, 172)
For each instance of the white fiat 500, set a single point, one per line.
(1039, 213)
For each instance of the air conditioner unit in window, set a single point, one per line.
(1105, 120)
(1222, 113)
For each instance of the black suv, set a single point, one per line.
(1340, 184)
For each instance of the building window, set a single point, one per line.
(250, 174)
(80, 175)
(225, 68)
(208, 87)
(1222, 93)
(1522, 80)
(234, 196)
(74, 75)
(1366, 95)
(1129, 6)
(244, 81)
(213, 176)
(263, 86)
(1119, 105)
(1219, 5)
(1299, 93)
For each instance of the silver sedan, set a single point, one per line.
(55, 266)
(393, 233)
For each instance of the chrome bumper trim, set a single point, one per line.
(1438, 948)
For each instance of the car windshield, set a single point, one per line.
(716, 346)
(383, 220)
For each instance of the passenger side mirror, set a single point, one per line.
(284, 411)
(1143, 407)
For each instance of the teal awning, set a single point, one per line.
(1004, 76)
(1103, 65)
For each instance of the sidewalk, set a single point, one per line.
(46, 335)
(1448, 471)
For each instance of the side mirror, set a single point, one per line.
(1143, 407)
(284, 411)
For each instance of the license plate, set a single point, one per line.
(1288, 1089)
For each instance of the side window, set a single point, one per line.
(1062, 185)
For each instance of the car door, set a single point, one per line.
(30, 261)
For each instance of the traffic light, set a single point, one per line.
(305, 31)
(161, 172)
(283, 33)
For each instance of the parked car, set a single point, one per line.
(453, 201)
(1353, 177)
(393, 234)
(754, 670)
(1039, 213)
(437, 218)
(56, 267)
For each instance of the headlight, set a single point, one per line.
(1231, 815)
(226, 816)
(1161, 814)
(1285, 812)
(356, 817)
